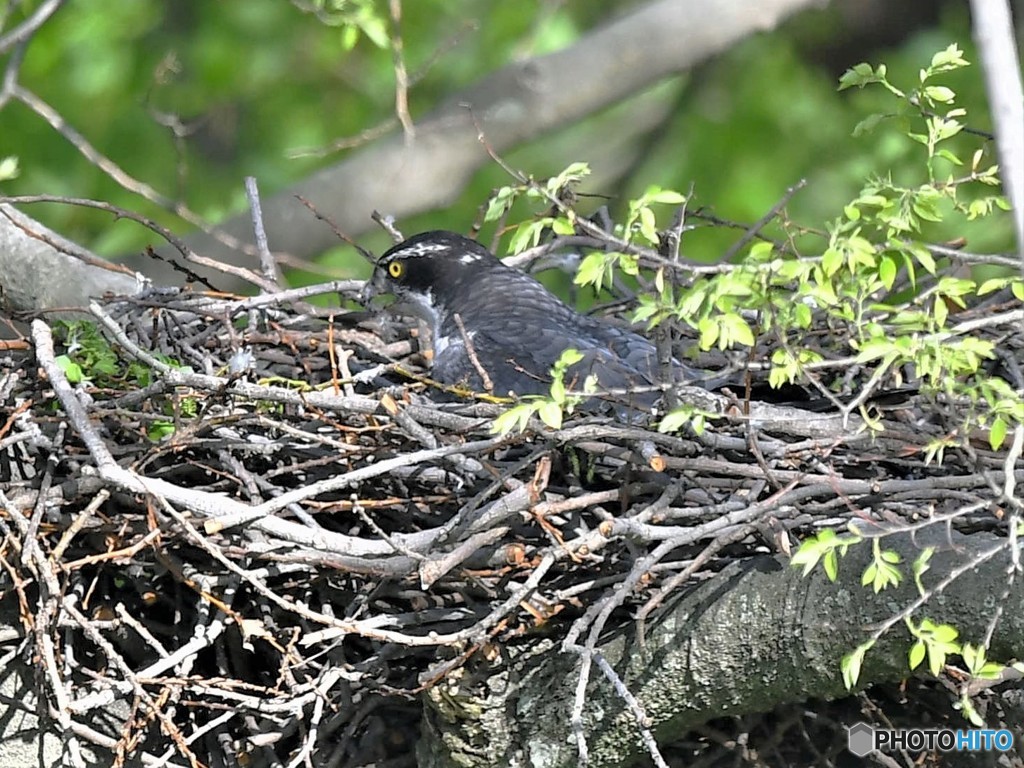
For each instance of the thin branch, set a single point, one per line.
(401, 76)
(27, 28)
(471, 352)
(267, 263)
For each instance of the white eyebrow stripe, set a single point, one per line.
(420, 249)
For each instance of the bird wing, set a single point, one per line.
(519, 349)
(518, 345)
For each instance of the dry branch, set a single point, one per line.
(290, 564)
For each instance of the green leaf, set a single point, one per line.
(551, 414)
(920, 567)
(666, 196)
(573, 174)
(868, 124)
(568, 358)
(562, 226)
(887, 272)
(831, 261)
(72, 370)
(159, 430)
(873, 349)
(973, 656)
(997, 433)
(645, 311)
(8, 168)
(940, 93)
(802, 315)
(648, 225)
(831, 565)
(944, 633)
(869, 575)
(349, 37)
(969, 712)
(527, 235)
(699, 424)
(558, 389)
(917, 653)
(859, 75)
(375, 30)
(500, 202)
(925, 259)
(945, 129)
(736, 331)
(951, 58)
(591, 270)
(517, 417)
(675, 420)
(993, 284)
(659, 280)
(709, 331)
(852, 663)
(926, 206)
(811, 550)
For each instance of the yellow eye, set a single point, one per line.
(396, 269)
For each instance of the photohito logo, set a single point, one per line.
(862, 739)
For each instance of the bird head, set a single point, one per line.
(426, 270)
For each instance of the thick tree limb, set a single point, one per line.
(41, 270)
(993, 31)
(755, 636)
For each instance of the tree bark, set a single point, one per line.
(755, 636)
(40, 270)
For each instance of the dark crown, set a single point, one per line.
(436, 244)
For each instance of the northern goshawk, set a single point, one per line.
(488, 318)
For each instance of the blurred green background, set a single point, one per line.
(192, 96)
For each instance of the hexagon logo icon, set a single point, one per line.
(860, 739)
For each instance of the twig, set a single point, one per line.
(642, 721)
(761, 223)
(401, 76)
(387, 223)
(1009, 464)
(471, 352)
(336, 229)
(111, 169)
(187, 253)
(267, 263)
(24, 31)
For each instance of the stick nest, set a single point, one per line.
(252, 536)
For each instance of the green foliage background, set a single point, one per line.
(256, 83)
